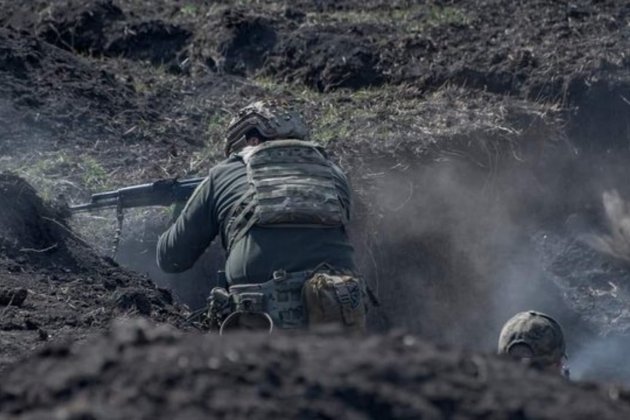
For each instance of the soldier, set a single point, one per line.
(281, 208)
(536, 338)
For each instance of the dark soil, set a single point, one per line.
(53, 286)
(573, 53)
(470, 130)
(335, 60)
(145, 372)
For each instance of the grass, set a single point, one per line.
(213, 149)
(391, 117)
(189, 10)
(60, 174)
(447, 15)
(93, 174)
(397, 120)
(414, 19)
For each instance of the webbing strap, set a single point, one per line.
(344, 297)
(237, 228)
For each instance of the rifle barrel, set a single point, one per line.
(159, 193)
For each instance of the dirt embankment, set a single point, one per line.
(145, 372)
(53, 287)
(573, 54)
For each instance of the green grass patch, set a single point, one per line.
(214, 142)
(55, 174)
(94, 176)
(447, 15)
(189, 10)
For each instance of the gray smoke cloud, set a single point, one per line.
(453, 250)
(457, 250)
(602, 358)
(616, 240)
(462, 264)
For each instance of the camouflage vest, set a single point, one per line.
(291, 184)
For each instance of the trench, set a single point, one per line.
(453, 248)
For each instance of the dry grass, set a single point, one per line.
(415, 19)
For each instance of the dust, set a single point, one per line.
(467, 267)
(602, 358)
(615, 242)
(457, 252)
(136, 251)
(453, 250)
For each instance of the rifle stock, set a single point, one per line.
(159, 193)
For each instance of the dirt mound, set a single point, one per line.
(325, 60)
(53, 286)
(157, 42)
(102, 28)
(80, 26)
(235, 42)
(27, 227)
(306, 376)
(54, 89)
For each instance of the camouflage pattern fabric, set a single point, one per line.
(537, 331)
(291, 183)
(263, 250)
(272, 119)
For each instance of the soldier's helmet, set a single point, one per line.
(272, 119)
(534, 336)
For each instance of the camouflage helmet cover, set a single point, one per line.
(272, 120)
(538, 331)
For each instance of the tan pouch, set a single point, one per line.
(335, 298)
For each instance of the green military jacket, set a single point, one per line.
(255, 257)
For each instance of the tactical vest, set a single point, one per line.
(291, 184)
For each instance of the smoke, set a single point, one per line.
(137, 251)
(455, 262)
(616, 242)
(602, 358)
(454, 250)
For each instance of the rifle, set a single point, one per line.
(163, 192)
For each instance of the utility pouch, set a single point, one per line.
(335, 298)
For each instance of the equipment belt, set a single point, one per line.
(280, 298)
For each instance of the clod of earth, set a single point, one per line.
(15, 297)
(326, 61)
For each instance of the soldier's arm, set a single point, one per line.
(183, 243)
